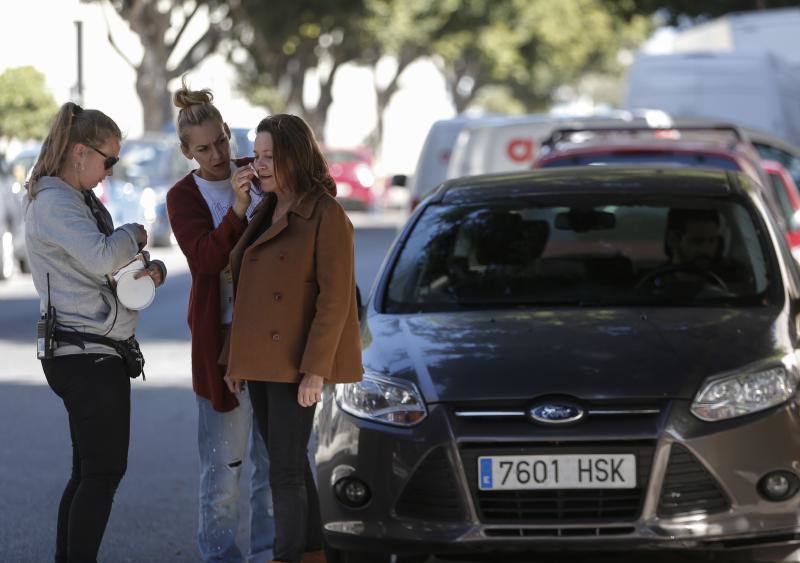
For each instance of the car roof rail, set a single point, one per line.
(562, 134)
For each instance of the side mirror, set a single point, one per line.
(399, 181)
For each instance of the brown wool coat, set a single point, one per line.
(295, 308)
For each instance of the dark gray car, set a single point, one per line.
(580, 358)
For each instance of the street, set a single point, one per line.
(154, 516)
(155, 510)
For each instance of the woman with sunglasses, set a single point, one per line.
(73, 247)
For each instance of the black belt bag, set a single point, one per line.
(128, 349)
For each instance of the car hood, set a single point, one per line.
(586, 353)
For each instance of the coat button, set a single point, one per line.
(276, 336)
(282, 257)
(278, 296)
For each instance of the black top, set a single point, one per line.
(270, 201)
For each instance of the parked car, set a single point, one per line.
(148, 167)
(242, 139)
(698, 145)
(467, 146)
(789, 200)
(770, 147)
(20, 168)
(8, 205)
(542, 372)
(354, 176)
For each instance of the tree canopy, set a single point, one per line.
(26, 107)
(161, 27)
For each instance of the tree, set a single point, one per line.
(161, 27)
(26, 107)
(503, 55)
(532, 48)
(286, 43)
(414, 25)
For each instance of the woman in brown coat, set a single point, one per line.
(295, 320)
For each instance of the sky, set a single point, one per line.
(42, 33)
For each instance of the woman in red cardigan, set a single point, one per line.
(208, 214)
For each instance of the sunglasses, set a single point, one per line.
(109, 162)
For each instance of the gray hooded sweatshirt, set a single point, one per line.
(63, 239)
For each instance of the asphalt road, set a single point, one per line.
(154, 516)
(155, 511)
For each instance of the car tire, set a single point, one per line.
(6, 255)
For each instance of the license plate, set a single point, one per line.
(569, 471)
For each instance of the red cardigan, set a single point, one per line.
(207, 251)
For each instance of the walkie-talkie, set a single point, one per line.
(45, 329)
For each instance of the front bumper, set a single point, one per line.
(423, 498)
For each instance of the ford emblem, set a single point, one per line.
(556, 413)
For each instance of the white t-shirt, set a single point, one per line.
(219, 197)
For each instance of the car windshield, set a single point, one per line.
(607, 252)
(681, 159)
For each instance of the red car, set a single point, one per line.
(664, 152)
(788, 198)
(355, 179)
(669, 152)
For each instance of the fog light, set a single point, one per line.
(352, 492)
(778, 485)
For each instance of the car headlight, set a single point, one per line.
(746, 392)
(365, 175)
(381, 399)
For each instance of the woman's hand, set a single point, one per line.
(240, 180)
(141, 234)
(155, 273)
(234, 385)
(310, 391)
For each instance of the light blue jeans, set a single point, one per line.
(223, 439)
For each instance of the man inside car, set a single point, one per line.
(694, 246)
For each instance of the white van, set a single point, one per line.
(513, 143)
(753, 89)
(435, 156)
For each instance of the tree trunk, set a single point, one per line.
(150, 24)
(318, 116)
(151, 85)
(384, 97)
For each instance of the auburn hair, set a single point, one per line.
(300, 166)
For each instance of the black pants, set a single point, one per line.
(97, 394)
(286, 428)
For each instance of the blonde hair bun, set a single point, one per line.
(185, 98)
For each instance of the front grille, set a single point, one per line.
(560, 505)
(558, 532)
(688, 487)
(432, 492)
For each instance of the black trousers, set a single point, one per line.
(97, 394)
(286, 428)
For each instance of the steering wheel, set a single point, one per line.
(691, 269)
